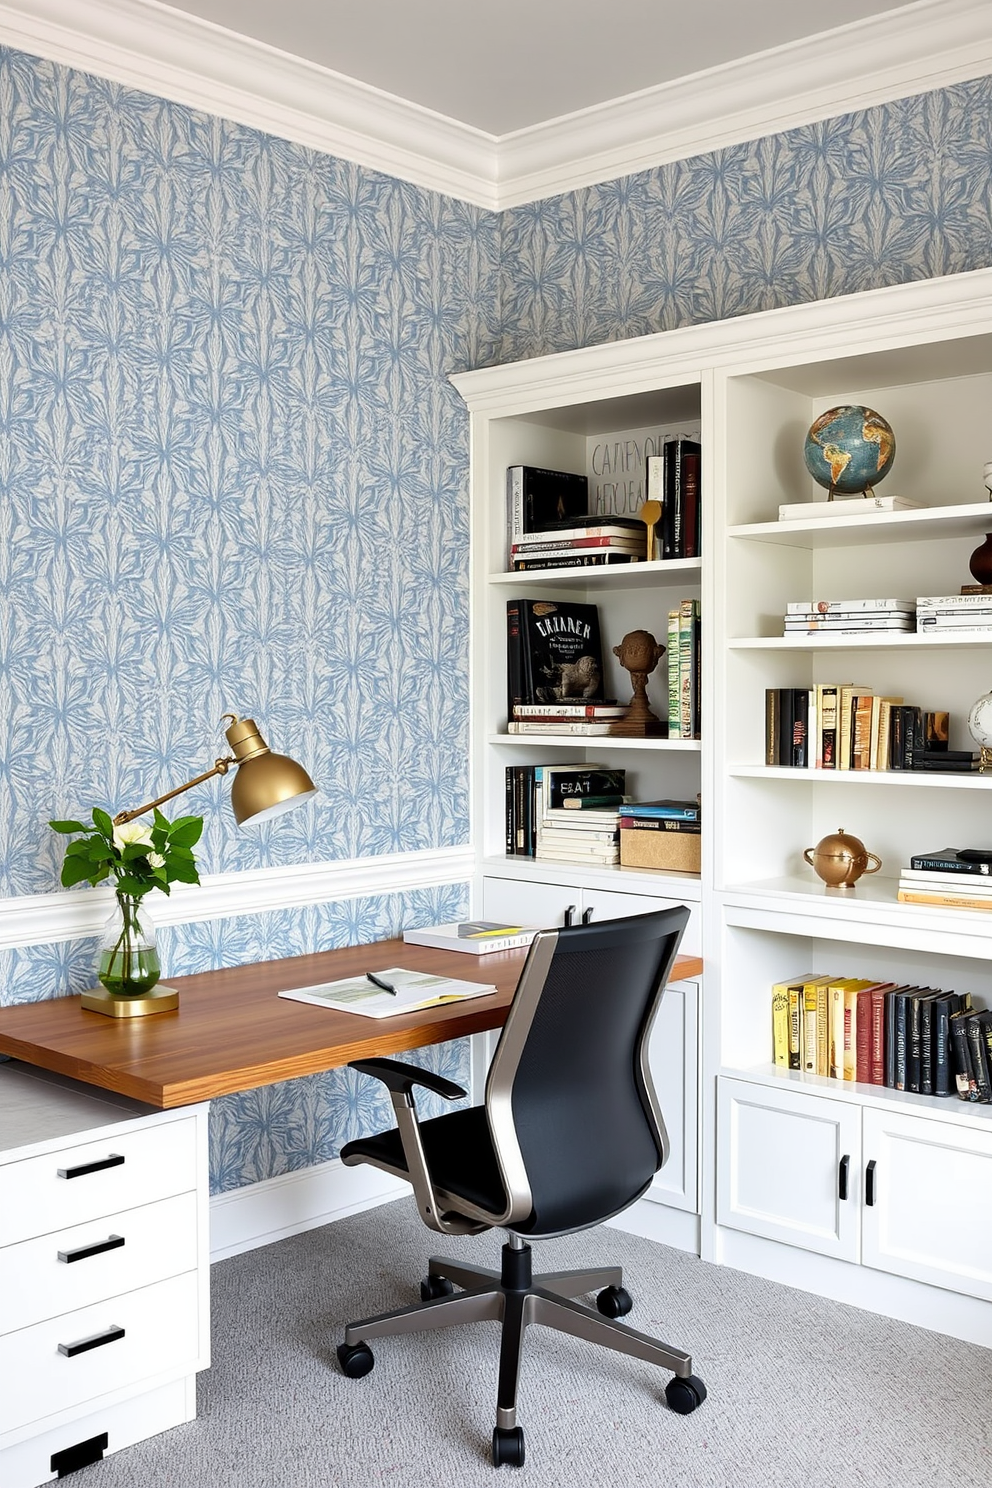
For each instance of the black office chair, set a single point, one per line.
(569, 1135)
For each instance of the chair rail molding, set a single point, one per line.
(40, 919)
(152, 47)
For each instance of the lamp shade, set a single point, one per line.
(266, 784)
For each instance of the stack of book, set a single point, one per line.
(673, 479)
(948, 879)
(959, 613)
(580, 542)
(914, 1038)
(849, 616)
(551, 797)
(564, 718)
(846, 726)
(683, 661)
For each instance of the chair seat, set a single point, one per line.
(459, 1154)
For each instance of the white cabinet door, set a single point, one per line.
(674, 1070)
(928, 1201)
(788, 1167)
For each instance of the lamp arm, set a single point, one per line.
(220, 767)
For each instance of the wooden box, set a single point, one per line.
(642, 847)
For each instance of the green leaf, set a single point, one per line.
(135, 850)
(103, 822)
(75, 871)
(186, 831)
(182, 872)
(67, 826)
(129, 884)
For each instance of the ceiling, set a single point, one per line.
(503, 65)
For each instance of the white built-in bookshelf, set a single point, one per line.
(771, 1144)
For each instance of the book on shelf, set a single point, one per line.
(961, 622)
(931, 604)
(560, 712)
(656, 824)
(672, 664)
(593, 534)
(848, 624)
(474, 937)
(944, 899)
(561, 783)
(921, 878)
(413, 990)
(674, 810)
(537, 498)
(563, 726)
(689, 669)
(824, 608)
(849, 506)
(595, 803)
(605, 558)
(949, 860)
(554, 652)
(680, 503)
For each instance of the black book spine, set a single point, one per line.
(511, 845)
(938, 864)
(943, 1007)
(785, 721)
(800, 726)
(899, 1002)
(895, 739)
(773, 703)
(979, 1056)
(889, 1036)
(913, 1042)
(964, 1076)
(514, 657)
(926, 1045)
(671, 510)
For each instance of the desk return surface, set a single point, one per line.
(233, 1032)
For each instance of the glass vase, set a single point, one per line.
(127, 962)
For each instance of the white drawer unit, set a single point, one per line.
(104, 1276)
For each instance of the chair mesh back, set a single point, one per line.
(585, 1127)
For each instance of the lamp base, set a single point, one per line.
(160, 999)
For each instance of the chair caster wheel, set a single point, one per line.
(684, 1395)
(508, 1446)
(433, 1287)
(614, 1302)
(356, 1359)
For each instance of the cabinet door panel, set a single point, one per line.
(609, 904)
(673, 1069)
(932, 1215)
(779, 1158)
(523, 903)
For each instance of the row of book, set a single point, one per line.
(563, 809)
(845, 726)
(948, 879)
(914, 1038)
(673, 479)
(927, 614)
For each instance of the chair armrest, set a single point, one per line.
(401, 1078)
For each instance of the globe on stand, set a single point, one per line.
(980, 728)
(849, 450)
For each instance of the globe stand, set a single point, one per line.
(868, 493)
(985, 759)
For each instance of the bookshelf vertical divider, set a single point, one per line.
(758, 1184)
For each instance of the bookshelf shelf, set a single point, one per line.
(598, 742)
(965, 519)
(871, 641)
(979, 1117)
(617, 576)
(923, 778)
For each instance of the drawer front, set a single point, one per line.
(68, 1360)
(72, 1268)
(102, 1177)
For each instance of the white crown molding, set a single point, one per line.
(41, 919)
(172, 55)
(920, 47)
(165, 52)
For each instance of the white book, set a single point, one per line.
(568, 855)
(516, 726)
(412, 990)
(831, 606)
(958, 620)
(475, 937)
(589, 819)
(850, 622)
(970, 883)
(847, 506)
(954, 602)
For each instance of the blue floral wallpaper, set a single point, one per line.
(234, 475)
(885, 195)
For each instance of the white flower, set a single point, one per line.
(156, 860)
(132, 832)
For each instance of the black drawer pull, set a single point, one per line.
(870, 1183)
(842, 1176)
(84, 1345)
(83, 1252)
(569, 915)
(587, 915)
(113, 1161)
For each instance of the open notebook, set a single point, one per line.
(414, 989)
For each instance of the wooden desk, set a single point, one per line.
(232, 1032)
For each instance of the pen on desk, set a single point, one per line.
(378, 982)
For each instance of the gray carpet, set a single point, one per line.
(802, 1393)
